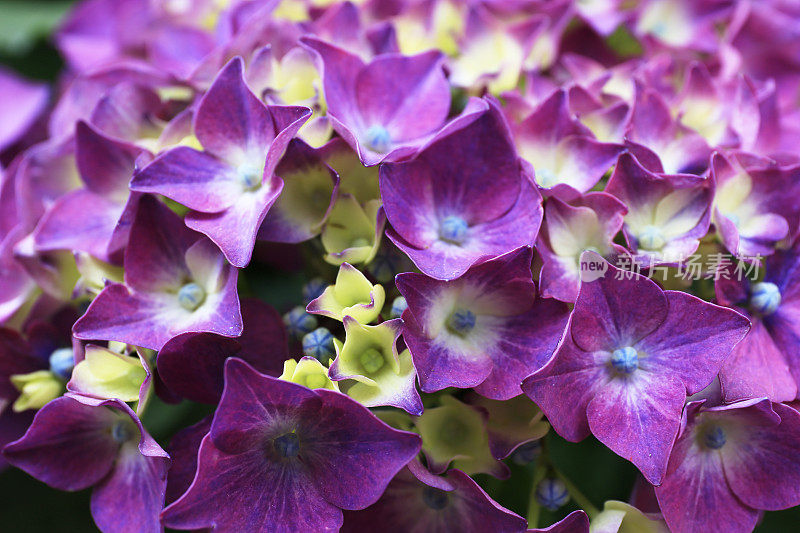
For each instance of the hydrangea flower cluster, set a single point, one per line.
(501, 225)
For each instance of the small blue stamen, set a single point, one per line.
(398, 306)
(453, 229)
(250, 176)
(61, 362)
(765, 298)
(461, 321)
(552, 494)
(319, 345)
(378, 139)
(435, 498)
(714, 438)
(191, 296)
(527, 453)
(651, 238)
(625, 360)
(298, 322)
(287, 445)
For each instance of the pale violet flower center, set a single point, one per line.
(453, 229)
(250, 176)
(625, 360)
(765, 298)
(651, 238)
(191, 296)
(461, 321)
(378, 139)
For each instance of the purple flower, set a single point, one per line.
(765, 363)
(463, 199)
(588, 222)
(281, 454)
(563, 151)
(176, 281)
(106, 167)
(385, 109)
(417, 500)
(659, 141)
(231, 185)
(667, 215)
(629, 356)
(729, 463)
(755, 204)
(192, 364)
(485, 329)
(77, 442)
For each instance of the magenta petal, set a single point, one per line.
(527, 343)
(20, 107)
(131, 498)
(264, 496)
(408, 95)
(757, 368)
(694, 354)
(694, 495)
(68, 445)
(230, 120)
(195, 179)
(183, 448)
(234, 230)
(639, 419)
(564, 388)
(617, 309)
(79, 221)
(106, 166)
(574, 522)
(366, 454)
(764, 473)
(192, 364)
(402, 508)
(154, 258)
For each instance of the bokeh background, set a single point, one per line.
(28, 506)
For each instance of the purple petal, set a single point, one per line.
(639, 418)
(250, 494)
(195, 179)
(68, 446)
(694, 354)
(616, 310)
(234, 230)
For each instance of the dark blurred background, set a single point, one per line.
(29, 506)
